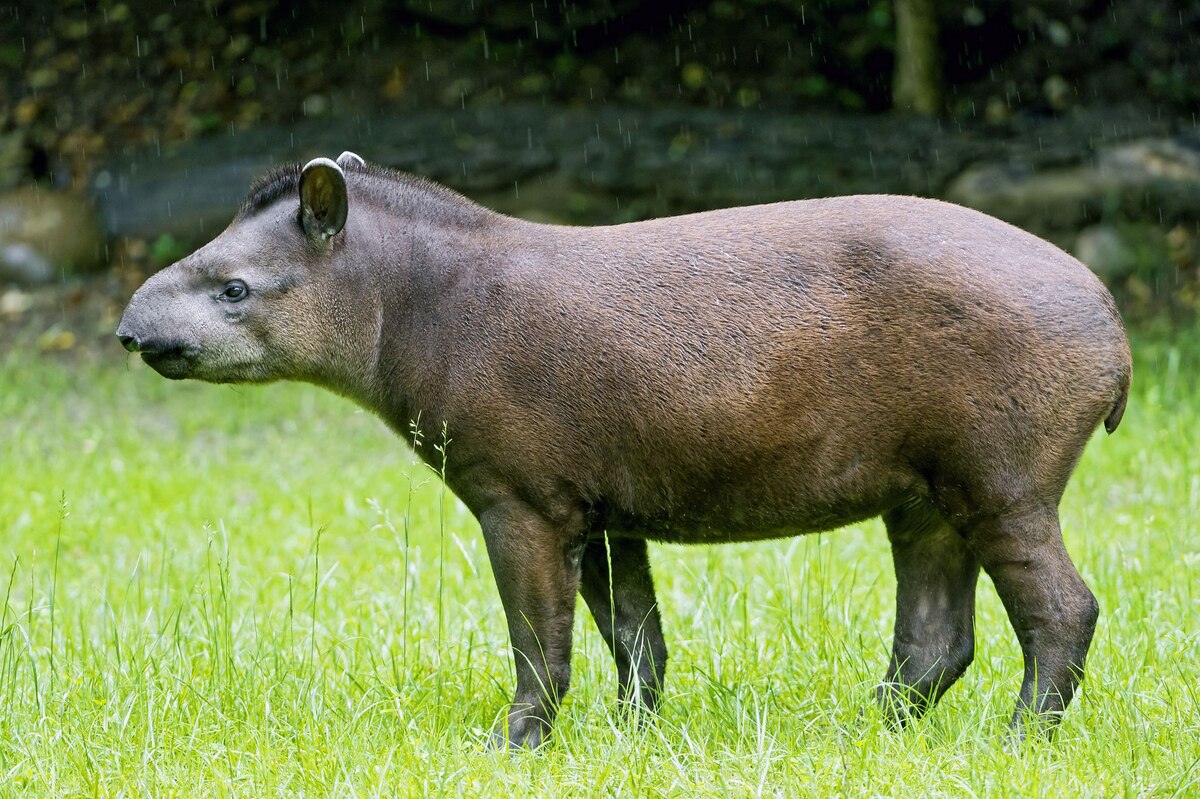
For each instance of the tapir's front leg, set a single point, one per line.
(536, 564)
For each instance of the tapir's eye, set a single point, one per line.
(234, 290)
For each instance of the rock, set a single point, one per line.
(1058, 92)
(1153, 179)
(316, 105)
(1106, 252)
(609, 163)
(21, 263)
(15, 302)
(46, 233)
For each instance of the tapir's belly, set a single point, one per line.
(781, 500)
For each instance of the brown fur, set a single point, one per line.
(726, 376)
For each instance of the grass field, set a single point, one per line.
(256, 592)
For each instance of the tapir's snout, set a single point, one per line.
(145, 344)
(165, 354)
(135, 337)
(149, 346)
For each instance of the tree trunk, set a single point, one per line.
(917, 79)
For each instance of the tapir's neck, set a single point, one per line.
(422, 269)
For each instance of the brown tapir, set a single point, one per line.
(726, 376)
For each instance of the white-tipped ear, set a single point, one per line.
(349, 159)
(323, 202)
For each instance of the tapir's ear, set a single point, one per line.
(323, 203)
(348, 159)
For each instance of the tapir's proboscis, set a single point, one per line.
(734, 375)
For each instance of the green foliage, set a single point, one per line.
(166, 249)
(256, 591)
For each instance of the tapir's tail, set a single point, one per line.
(1118, 409)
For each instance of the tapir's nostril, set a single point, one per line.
(129, 342)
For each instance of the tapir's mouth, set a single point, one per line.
(174, 363)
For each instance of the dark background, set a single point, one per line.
(601, 112)
(82, 78)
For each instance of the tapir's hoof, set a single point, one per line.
(1027, 725)
(900, 706)
(520, 734)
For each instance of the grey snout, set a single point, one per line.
(149, 345)
(143, 327)
(132, 339)
(136, 335)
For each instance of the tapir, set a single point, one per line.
(732, 375)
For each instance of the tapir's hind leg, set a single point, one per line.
(935, 610)
(1050, 607)
(619, 591)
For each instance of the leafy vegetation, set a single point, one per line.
(256, 591)
(95, 78)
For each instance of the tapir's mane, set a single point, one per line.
(283, 180)
(398, 190)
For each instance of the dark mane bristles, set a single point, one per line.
(400, 191)
(283, 179)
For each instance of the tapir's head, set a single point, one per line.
(273, 297)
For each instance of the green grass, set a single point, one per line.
(255, 592)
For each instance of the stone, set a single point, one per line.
(610, 163)
(14, 302)
(45, 234)
(1106, 252)
(1153, 179)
